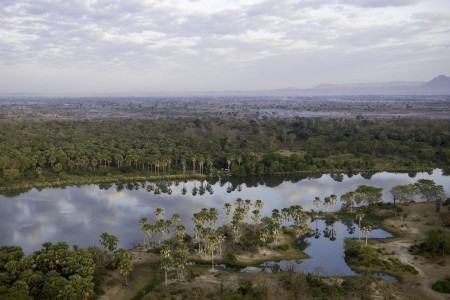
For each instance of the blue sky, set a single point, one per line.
(103, 46)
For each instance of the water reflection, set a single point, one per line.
(325, 247)
(78, 214)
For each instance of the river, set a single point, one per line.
(78, 214)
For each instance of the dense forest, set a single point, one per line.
(48, 151)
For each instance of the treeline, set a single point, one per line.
(58, 149)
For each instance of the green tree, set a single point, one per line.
(108, 241)
(367, 228)
(227, 207)
(11, 174)
(403, 193)
(428, 189)
(349, 199)
(123, 263)
(166, 262)
(359, 216)
(371, 194)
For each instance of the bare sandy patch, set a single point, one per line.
(420, 219)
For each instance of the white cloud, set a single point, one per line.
(161, 40)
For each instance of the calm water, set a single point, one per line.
(79, 214)
(326, 249)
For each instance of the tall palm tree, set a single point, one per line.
(359, 217)
(194, 160)
(227, 207)
(230, 158)
(256, 215)
(183, 165)
(259, 205)
(276, 221)
(349, 199)
(142, 223)
(201, 162)
(367, 229)
(209, 163)
(212, 217)
(286, 214)
(159, 212)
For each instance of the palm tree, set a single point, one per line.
(264, 236)
(183, 165)
(247, 206)
(329, 201)
(259, 205)
(142, 223)
(166, 261)
(149, 230)
(227, 206)
(211, 244)
(159, 228)
(212, 217)
(230, 158)
(256, 215)
(94, 163)
(122, 261)
(119, 159)
(367, 229)
(180, 255)
(201, 162)
(239, 160)
(286, 214)
(176, 219)
(239, 203)
(238, 216)
(194, 160)
(349, 199)
(359, 217)
(316, 203)
(180, 232)
(276, 221)
(199, 219)
(159, 212)
(209, 163)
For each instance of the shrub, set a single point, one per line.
(282, 247)
(437, 242)
(442, 286)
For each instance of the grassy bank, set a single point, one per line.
(53, 180)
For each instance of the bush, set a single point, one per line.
(230, 258)
(437, 242)
(282, 247)
(442, 286)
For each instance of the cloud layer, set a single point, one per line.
(126, 46)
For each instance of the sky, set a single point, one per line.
(144, 46)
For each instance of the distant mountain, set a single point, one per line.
(438, 84)
(389, 84)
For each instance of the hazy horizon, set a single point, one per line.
(136, 47)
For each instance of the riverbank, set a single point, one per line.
(54, 180)
(410, 227)
(146, 275)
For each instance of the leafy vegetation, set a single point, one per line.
(442, 286)
(55, 271)
(68, 151)
(436, 243)
(365, 258)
